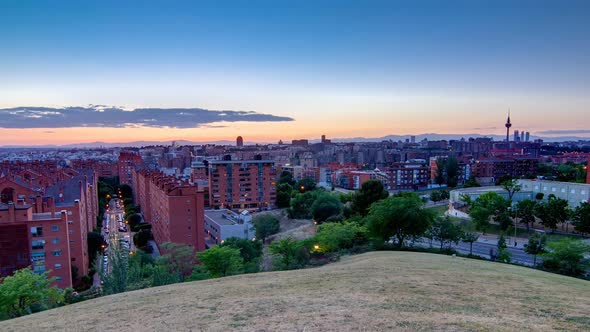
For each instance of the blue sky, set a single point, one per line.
(461, 64)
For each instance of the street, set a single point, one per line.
(482, 248)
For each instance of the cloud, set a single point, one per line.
(117, 117)
(564, 132)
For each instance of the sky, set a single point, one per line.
(290, 69)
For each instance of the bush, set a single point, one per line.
(332, 237)
(325, 206)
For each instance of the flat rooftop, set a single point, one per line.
(220, 217)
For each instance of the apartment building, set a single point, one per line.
(411, 175)
(175, 208)
(242, 184)
(38, 240)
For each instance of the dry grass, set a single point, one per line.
(400, 291)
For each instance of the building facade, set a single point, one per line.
(174, 208)
(242, 184)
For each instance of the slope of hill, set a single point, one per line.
(374, 291)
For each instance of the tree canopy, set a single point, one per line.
(221, 261)
(370, 192)
(26, 292)
(265, 226)
(325, 206)
(399, 216)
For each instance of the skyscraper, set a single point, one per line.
(527, 136)
(516, 136)
(239, 141)
(508, 125)
(522, 136)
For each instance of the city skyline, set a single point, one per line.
(343, 69)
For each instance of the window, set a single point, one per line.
(38, 244)
(36, 231)
(58, 278)
(56, 253)
(37, 257)
(54, 228)
(55, 241)
(38, 268)
(57, 266)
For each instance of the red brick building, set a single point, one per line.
(173, 207)
(242, 184)
(410, 175)
(39, 240)
(102, 168)
(70, 192)
(500, 167)
(128, 162)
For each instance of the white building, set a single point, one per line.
(223, 224)
(574, 193)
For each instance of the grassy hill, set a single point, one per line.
(374, 291)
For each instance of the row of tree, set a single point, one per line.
(491, 207)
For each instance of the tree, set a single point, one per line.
(447, 171)
(284, 195)
(26, 292)
(512, 187)
(526, 211)
(452, 170)
(487, 206)
(133, 220)
(370, 192)
(399, 216)
(301, 205)
(250, 251)
(325, 206)
(286, 178)
(553, 212)
(582, 218)
(472, 182)
(470, 237)
(220, 261)
(265, 226)
(115, 279)
(503, 254)
(435, 196)
(481, 217)
(566, 257)
(332, 237)
(440, 171)
(126, 191)
(179, 258)
(536, 246)
(305, 185)
(292, 254)
(445, 231)
(94, 241)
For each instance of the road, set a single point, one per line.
(483, 249)
(114, 220)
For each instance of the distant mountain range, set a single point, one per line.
(395, 138)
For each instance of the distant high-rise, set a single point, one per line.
(516, 136)
(323, 138)
(527, 136)
(239, 141)
(522, 136)
(508, 125)
(413, 139)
